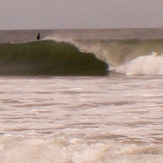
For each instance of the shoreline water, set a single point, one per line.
(81, 119)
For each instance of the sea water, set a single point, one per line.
(86, 119)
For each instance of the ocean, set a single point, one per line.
(81, 96)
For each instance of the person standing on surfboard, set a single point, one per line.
(38, 36)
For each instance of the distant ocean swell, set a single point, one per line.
(59, 56)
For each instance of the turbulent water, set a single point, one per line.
(81, 96)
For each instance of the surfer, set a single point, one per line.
(38, 36)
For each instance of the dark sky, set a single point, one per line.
(63, 14)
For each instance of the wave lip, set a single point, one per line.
(48, 58)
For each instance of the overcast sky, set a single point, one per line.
(63, 14)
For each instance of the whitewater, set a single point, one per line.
(81, 96)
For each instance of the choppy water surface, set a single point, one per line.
(81, 119)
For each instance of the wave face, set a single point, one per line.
(131, 57)
(48, 58)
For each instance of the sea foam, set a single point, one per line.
(144, 65)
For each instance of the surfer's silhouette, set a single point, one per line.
(38, 36)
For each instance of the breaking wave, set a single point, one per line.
(131, 57)
(66, 56)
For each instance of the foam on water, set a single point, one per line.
(34, 150)
(144, 65)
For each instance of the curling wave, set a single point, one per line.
(65, 56)
(131, 57)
